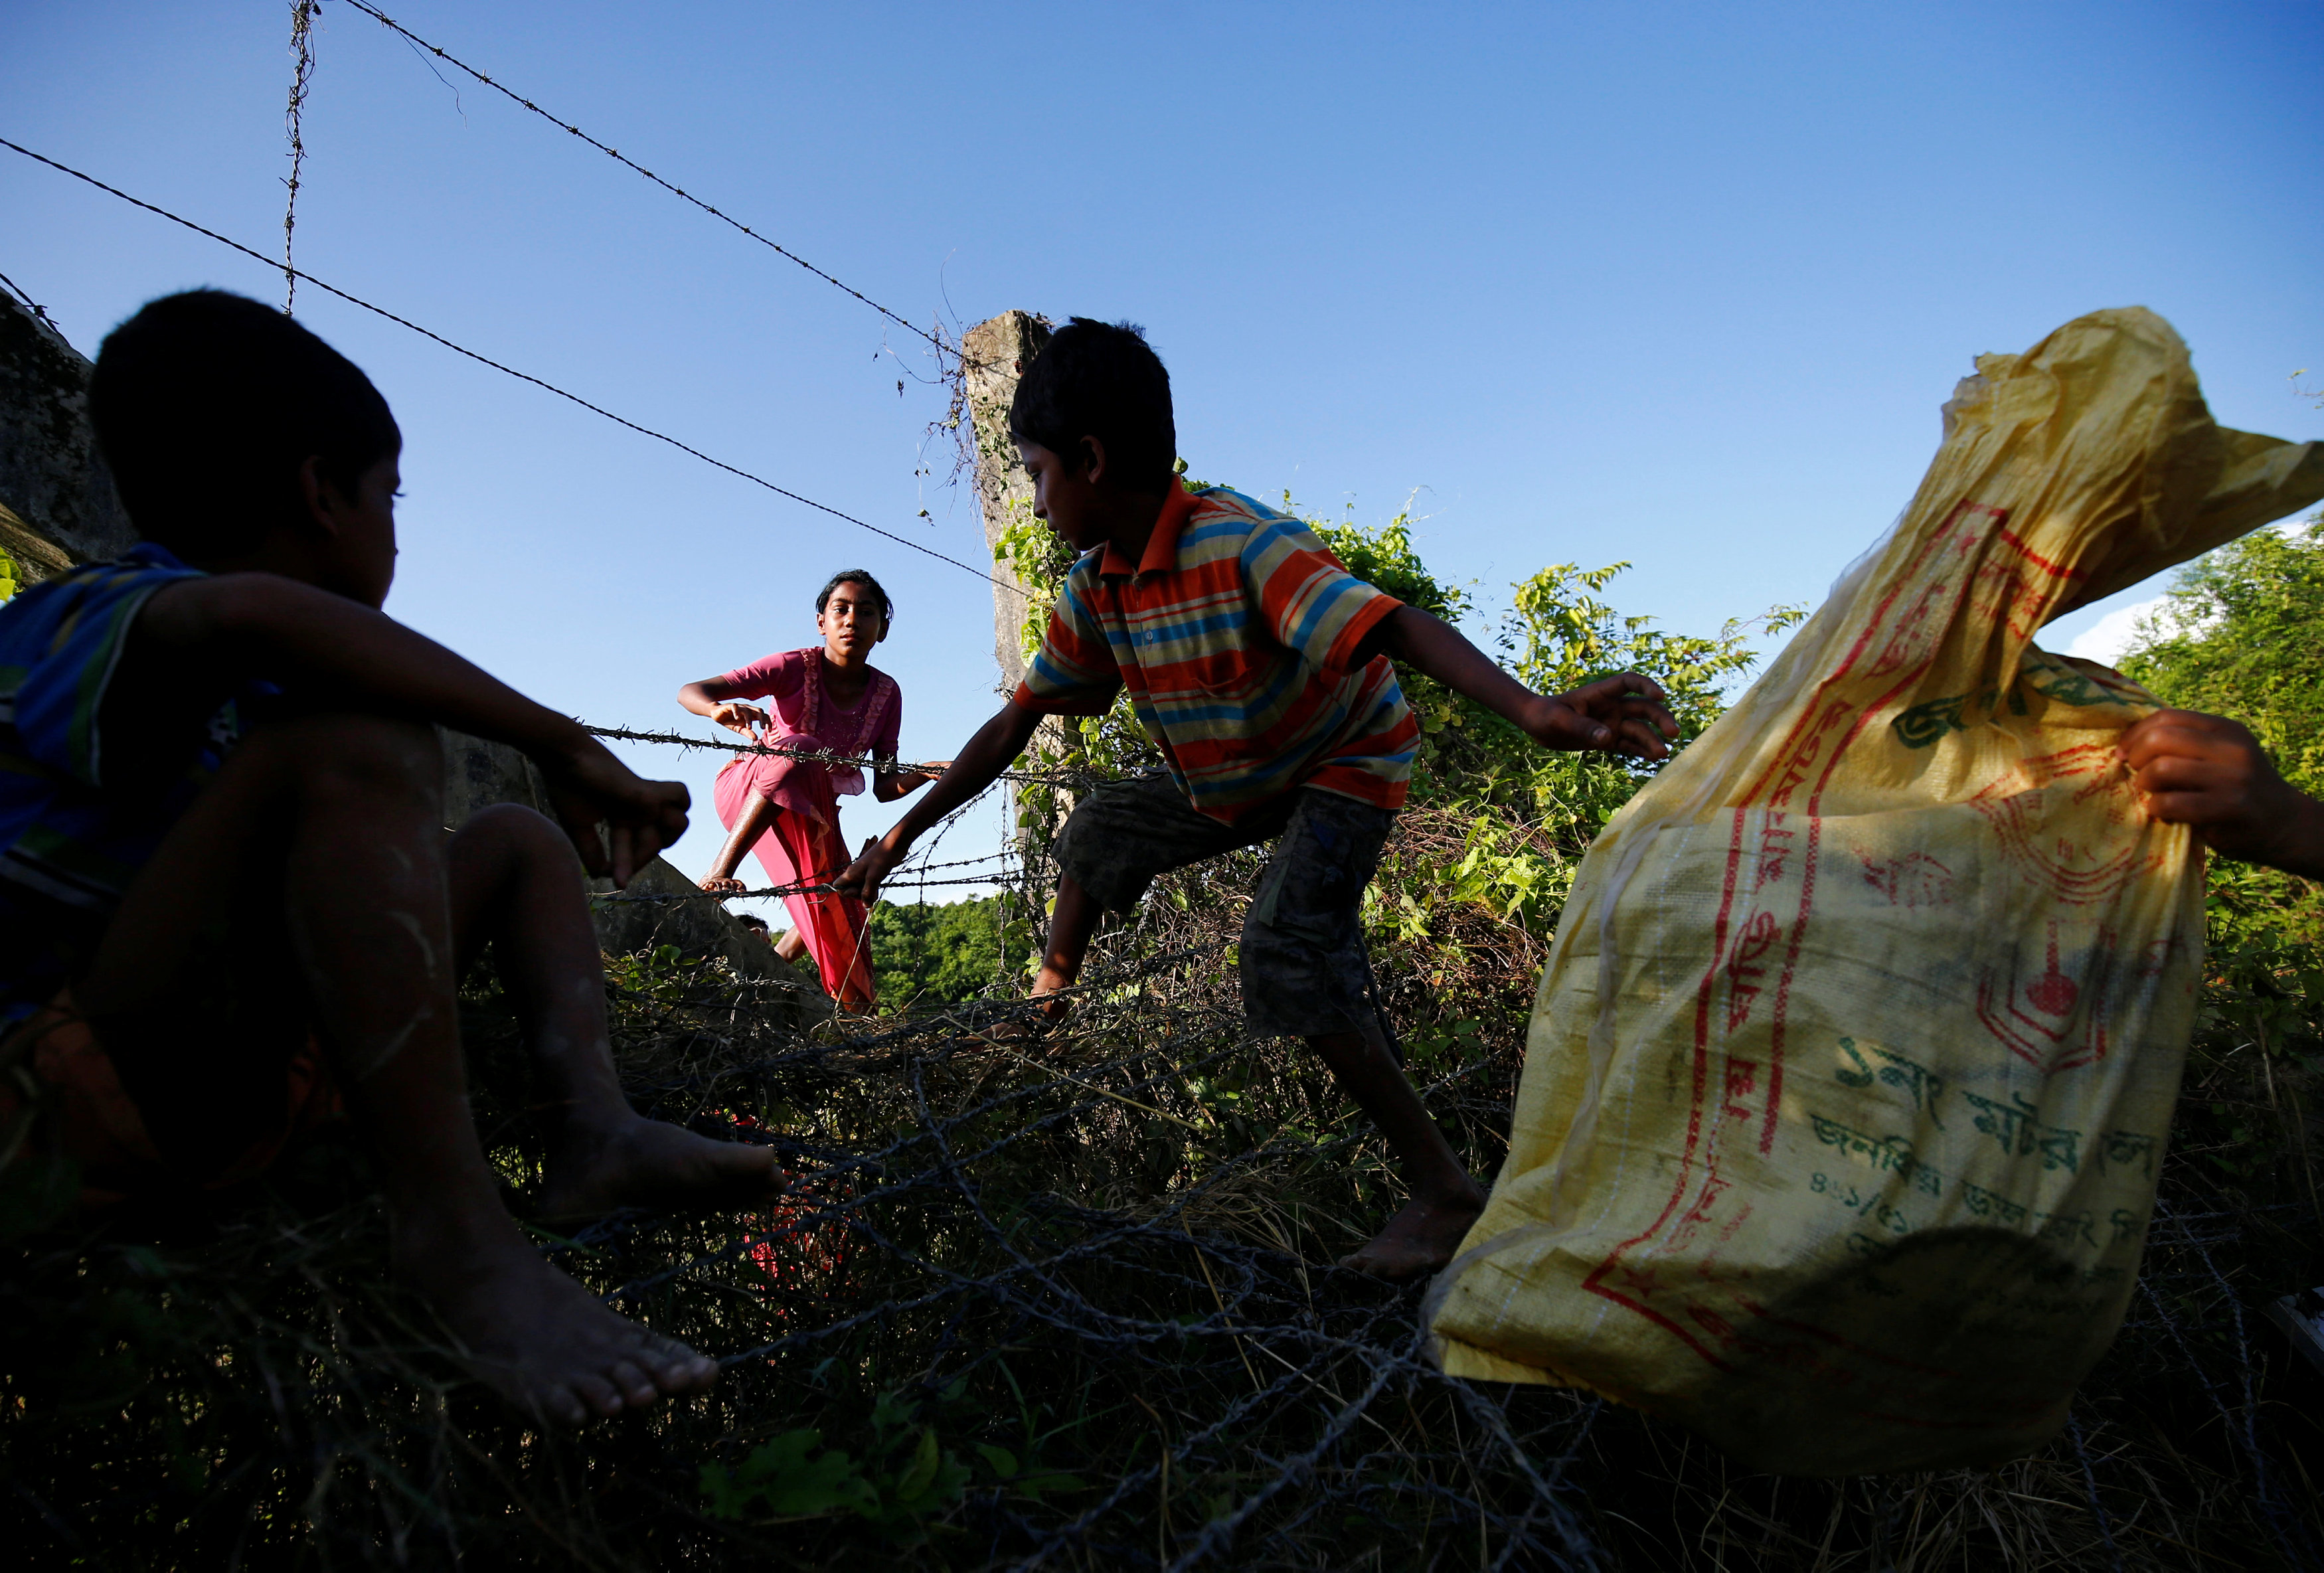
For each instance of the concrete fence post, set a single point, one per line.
(995, 355)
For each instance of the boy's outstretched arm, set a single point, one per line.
(213, 634)
(993, 749)
(1623, 713)
(2210, 773)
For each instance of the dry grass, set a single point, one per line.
(1091, 1254)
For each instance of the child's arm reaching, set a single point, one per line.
(2210, 773)
(1622, 714)
(211, 635)
(993, 749)
(887, 786)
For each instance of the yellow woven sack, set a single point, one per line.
(1849, 1075)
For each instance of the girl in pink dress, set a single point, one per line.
(827, 699)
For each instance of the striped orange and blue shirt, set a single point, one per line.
(1236, 634)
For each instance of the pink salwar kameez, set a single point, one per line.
(805, 845)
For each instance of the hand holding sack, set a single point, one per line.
(1849, 1073)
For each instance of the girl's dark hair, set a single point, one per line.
(857, 577)
(1101, 379)
(206, 403)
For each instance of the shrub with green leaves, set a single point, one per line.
(2240, 633)
(2237, 635)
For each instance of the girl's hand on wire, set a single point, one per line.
(745, 719)
(904, 783)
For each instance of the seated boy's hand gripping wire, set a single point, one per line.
(588, 786)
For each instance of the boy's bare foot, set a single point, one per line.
(648, 1162)
(718, 886)
(1420, 1240)
(542, 1341)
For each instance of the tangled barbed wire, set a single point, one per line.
(1040, 1296)
(970, 1256)
(1304, 1363)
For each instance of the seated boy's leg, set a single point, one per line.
(314, 865)
(515, 884)
(1305, 974)
(1116, 841)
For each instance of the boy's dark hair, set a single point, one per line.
(207, 404)
(1101, 379)
(857, 577)
(753, 921)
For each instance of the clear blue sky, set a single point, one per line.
(1681, 284)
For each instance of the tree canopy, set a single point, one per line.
(2240, 633)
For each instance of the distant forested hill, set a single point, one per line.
(935, 953)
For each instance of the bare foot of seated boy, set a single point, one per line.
(312, 886)
(515, 883)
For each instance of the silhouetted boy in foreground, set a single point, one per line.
(1258, 666)
(227, 896)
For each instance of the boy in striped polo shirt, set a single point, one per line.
(1260, 666)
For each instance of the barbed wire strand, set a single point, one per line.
(942, 347)
(803, 888)
(485, 360)
(302, 55)
(32, 305)
(826, 756)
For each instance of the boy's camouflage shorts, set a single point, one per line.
(1305, 971)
